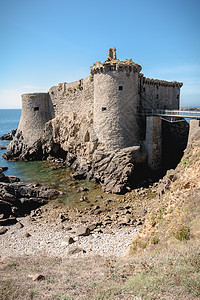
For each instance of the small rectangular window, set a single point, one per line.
(157, 96)
(36, 108)
(143, 89)
(103, 108)
(120, 88)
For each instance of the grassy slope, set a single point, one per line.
(175, 216)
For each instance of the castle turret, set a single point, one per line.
(115, 101)
(35, 113)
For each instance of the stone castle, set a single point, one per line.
(95, 115)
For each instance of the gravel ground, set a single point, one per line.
(47, 239)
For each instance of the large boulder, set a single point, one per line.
(9, 136)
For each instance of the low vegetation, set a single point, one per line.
(174, 215)
(170, 273)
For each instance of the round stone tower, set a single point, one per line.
(35, 113)
(115, 101)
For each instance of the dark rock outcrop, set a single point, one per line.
(73, 140)
(9, 136)
(18, 198)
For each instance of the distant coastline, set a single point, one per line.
(190, 108)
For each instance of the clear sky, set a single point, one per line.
(45, 42)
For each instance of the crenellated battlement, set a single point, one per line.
(115, 65)
(159, 82)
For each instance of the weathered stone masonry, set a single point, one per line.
(94, 119)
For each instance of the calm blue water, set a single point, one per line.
(41, 171)
(9, 119)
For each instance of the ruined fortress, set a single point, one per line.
(97, 118)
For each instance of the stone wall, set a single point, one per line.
(194, 130)
(153, 142)
(35, 113)
(115, 108)
(159, 94)
(75, 97)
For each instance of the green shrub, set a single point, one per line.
(33, 293)
(60, 87)
(155, 240)
(182, 234)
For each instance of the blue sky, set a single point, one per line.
(44, 42)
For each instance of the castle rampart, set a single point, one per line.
(115, 108)
(98, 118)
(71, 97)
(35, 114)
(159, 94)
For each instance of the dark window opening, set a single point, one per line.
(120, 88)
(157, 87)
(143, 89)
(165, 107)
(177, 96)
(157, 96)
(103, 108)
(36, 108)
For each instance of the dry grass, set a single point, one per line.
(172, 273)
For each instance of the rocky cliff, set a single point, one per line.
(175, 213)
(73, 139)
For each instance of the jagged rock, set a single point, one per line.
(9, 135)
(3, 230)
(64, 137)
(83, 198)
(99, 197)
(124, 221)
(82, 231)
(75, 250)
(68, 228)
(3, 178)
(37, 277)
(83, 189)
(8, 221)
(27, 234)
(19, 225)
(68, 240)
(96, 207)
(92, 227)
(5, 208)
(97, 212)
(165, 182)
(18, 198)
(13, 179)
(79, 175)
(3, 169)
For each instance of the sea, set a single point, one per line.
(42, 171)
